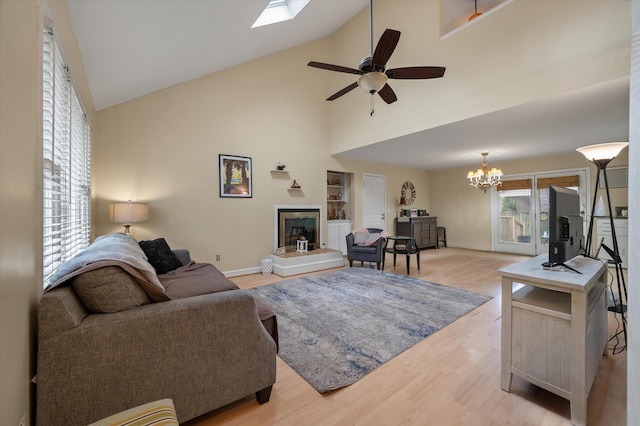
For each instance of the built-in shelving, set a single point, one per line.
(338, 191)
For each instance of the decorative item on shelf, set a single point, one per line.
(485, 178)
(601, 155)
(408, 192)
(401, 204)
(280, 251)
(128, 213)
(622, 211)
(475, 13)
(281, 166)
(295, 185)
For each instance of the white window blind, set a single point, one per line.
(66, 163)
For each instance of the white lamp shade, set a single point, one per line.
(128, 212)
(372, 82)
(602, 151)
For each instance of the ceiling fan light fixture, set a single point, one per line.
(372, 82)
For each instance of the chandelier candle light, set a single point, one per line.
(485, 178)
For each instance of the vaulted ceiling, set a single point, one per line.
(158, 44)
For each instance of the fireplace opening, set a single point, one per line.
(298, 224)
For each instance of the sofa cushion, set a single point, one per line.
(160, 256)
(195, 279)
(108, 289)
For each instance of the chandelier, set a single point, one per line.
(484, 178)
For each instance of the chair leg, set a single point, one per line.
(362, 263)
(418, 260)
(408, 262)
(350, 263)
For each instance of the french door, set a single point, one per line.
(520, 214)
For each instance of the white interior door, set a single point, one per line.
(374, 201)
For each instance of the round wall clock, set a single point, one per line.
(408, 192)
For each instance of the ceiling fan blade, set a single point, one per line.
(387, 94)
(415, 73)
(334, 68)
(386, 45)
(343, 91)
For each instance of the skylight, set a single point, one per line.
(278, 11)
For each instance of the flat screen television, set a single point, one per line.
(566, 234)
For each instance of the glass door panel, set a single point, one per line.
(542, 201)
(515, 227)
(521, 210)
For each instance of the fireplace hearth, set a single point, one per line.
(294, 223)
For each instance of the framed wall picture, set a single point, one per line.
(235, 176)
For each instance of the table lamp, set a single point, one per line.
(128, 213)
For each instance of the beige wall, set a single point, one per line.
(19, 218)
(20, 191)
(163, 149)
(466, 212)
(525, 51)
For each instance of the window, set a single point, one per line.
(278, 11)
(66, 160)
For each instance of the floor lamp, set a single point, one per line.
(601, 155)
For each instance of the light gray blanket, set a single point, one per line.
(113, 250)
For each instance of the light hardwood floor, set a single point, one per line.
(450, 378)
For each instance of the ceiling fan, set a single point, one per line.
(373, 75)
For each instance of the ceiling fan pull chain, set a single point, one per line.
(372, 111)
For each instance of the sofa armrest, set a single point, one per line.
(203, 352)
(183, 255)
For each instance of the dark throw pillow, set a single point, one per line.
(160, 255)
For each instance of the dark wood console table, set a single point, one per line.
(423, 228)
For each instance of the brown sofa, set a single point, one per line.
(110, 338)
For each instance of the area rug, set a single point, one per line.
(335, 328)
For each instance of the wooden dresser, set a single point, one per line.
(423, 228)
